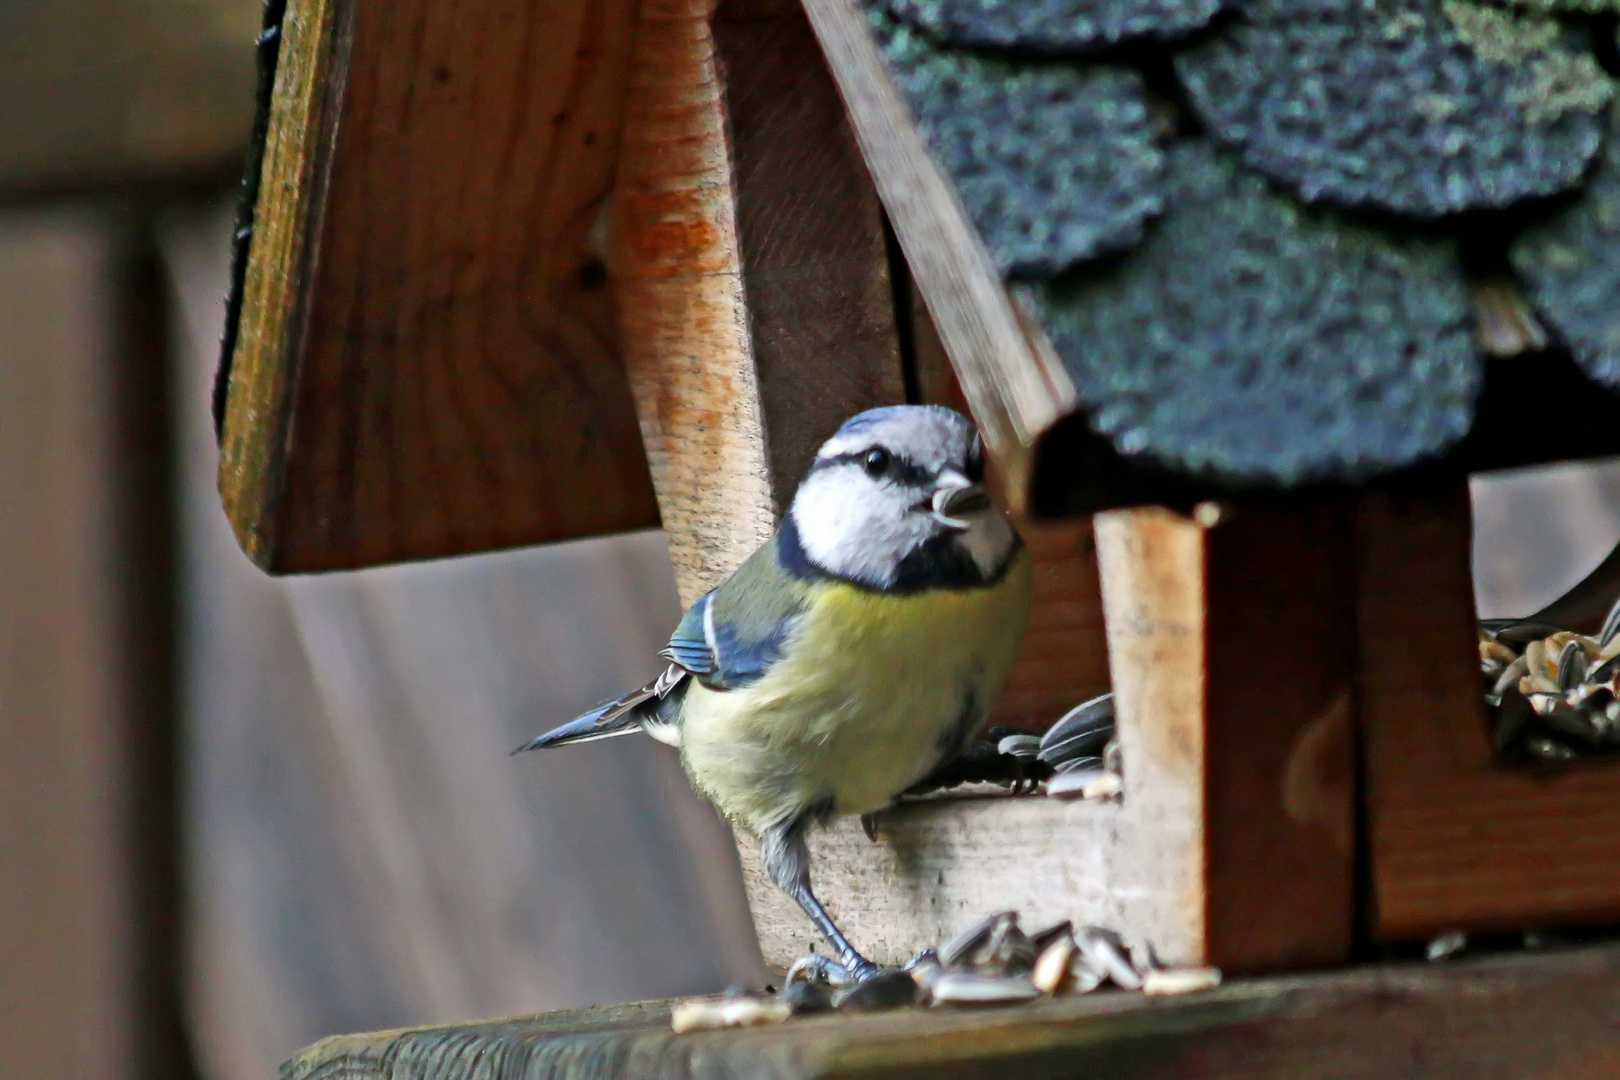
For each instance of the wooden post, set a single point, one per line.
(1457, 840)
(747, 249)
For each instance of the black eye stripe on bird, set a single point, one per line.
(898, 468)
(843, 661)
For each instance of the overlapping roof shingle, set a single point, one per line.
(1272, 293)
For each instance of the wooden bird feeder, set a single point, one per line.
(521, 271)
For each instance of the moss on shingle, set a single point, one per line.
(1253, 341)
(1571, 269)
(1053, 25)
(1054, 160)
(1417, 106)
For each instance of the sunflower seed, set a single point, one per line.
(805, 996)
(1446, 945)
(1180, 981)
(1510, 676)
(1052, 966)
(1544, 749)
(1571, 665)
(957, 949)
(968, 988)
(1073, 784)
(1022, 747)
(1081, 732)
(890, 990)
(1105, 952)
(1078, 763)
(1510, 721)
(1083, 978)
(1105, 786)
(1517, 631)
(1042, 938)
(1007, 952)
(707, 1014)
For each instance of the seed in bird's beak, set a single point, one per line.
(957, 499)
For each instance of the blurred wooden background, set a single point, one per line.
(239, 814)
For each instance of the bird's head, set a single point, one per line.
(896, 499)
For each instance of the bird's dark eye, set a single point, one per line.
(877, 461)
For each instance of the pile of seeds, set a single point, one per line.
(1553, 695)
(993, 962)
(1082, 752)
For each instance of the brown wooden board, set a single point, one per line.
(428, 360)
(1528, 1017)
(747, 251)
(1459, 841)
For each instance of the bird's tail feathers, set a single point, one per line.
(618, 716)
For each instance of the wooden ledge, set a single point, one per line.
(1528, 1015)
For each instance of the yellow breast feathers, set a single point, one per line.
(870, 690)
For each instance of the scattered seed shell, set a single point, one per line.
(889, 990)
(1022, 747)
(1105, 952)
(1164, 983)
(1105, 786)
(707, 1014)
(1073, 784)
(969, 988)
(1052, 966)
(955, 950)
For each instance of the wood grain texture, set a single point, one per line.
(1546, 1017)
(428, 361)
(747, 252)
(1231, 645)
(1458, 841)
(1012, 382)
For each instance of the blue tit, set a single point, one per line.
(852, 654)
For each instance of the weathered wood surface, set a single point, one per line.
(428, 358)
(1529, 1017)
(1456, 839)
(1012, 383)
(1230, 644)
(747, 254)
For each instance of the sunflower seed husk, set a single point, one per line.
(1496, 651)
(1022, 747)
(1081, 732)
(1111, 756)
(707, 1014)
(1517, 631)
(1446, 945)
(1052, 966)
(890, 990)
(1544, 749)
(1078, 763)
(957, 949)
(1571, 665)
(1105, 952)
(1160, 982)
(1105, 786)
(1083, 978)
(1040, 939)
(1007, 952)
(1073, 784)
(1511, 719)
(1510, 676)
(924, 970)
(969, 988)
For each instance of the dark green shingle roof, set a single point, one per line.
(1284, 303)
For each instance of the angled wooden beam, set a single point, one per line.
(428, 361)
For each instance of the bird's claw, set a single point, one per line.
(815, 967)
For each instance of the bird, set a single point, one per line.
(850, 655)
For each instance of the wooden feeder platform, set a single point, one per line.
(1521, 1016)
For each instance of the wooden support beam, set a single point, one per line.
(1459, 841)
(747, 250)
(1231, 644)
(1544, 1016)
(428, 360)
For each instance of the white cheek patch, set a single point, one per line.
(856, 528)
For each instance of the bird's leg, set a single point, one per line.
(787, 862)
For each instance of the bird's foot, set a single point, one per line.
(1004, 757)
(845, 972)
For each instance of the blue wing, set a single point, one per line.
(732, 635)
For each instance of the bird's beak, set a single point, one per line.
(957, 500)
